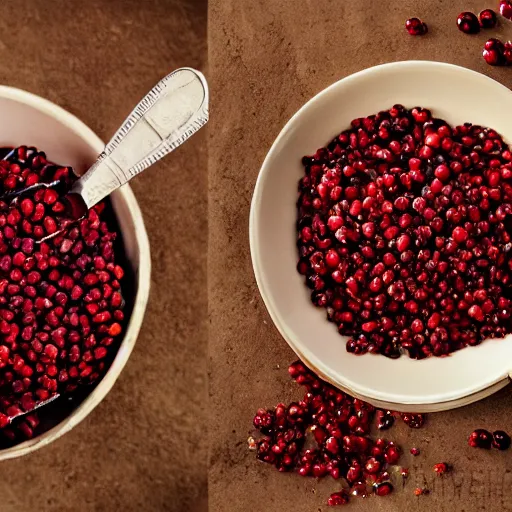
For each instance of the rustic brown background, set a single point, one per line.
(267, 57)
(144, 447)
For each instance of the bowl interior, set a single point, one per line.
(455, 94)
(31, 120)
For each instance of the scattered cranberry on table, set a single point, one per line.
(441, 468)
(468, 23)
(415, 451)
(480, 438)
(506, 9)
(338, 498)
(500, 440)
(488, 18)
(416, 27)
(494, 52)
(327, 433)
(385, 419)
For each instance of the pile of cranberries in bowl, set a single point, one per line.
(62, 310)
(404, 233)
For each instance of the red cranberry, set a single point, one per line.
(415, 451)
(385, 419)
(416, 27)
(480, 438)
(372, 466)
(441, 468)
(488, 18)
(493, 52)
(468, 23)
(338, 498)
(392, 455)
(500, 440)
(383, 489)
(413, 420)
(506, 9)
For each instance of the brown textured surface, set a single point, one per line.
(267, 57)
(143, 448)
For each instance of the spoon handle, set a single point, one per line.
(165, 118)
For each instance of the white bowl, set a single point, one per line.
(453, 93)
(31, 120)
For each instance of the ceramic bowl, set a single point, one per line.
(453, 93)
(31, 120)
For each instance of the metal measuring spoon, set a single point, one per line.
(165, 118)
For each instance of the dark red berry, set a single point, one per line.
(415, 451)
(338, 498)
(385, 419)
(493, 52)
(500, 440)
(441, 468)
(416, 27)
(413, 420)
(506, 9)
(383, 489)
(480, 438)
(468, 23)
(488, 18)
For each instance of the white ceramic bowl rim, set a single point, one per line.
(142, 277)
(455, 396)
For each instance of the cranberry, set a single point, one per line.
(500, 440)
(416, 27)
(383, 489)
(506, 9)
(385, 419)
(441, 468)
(338, 498)
(480, 438)
(415, 451)
(493, 52)
(488, 18)
(413, 420)
(468, 23)
(339, 424)
(392, 455)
